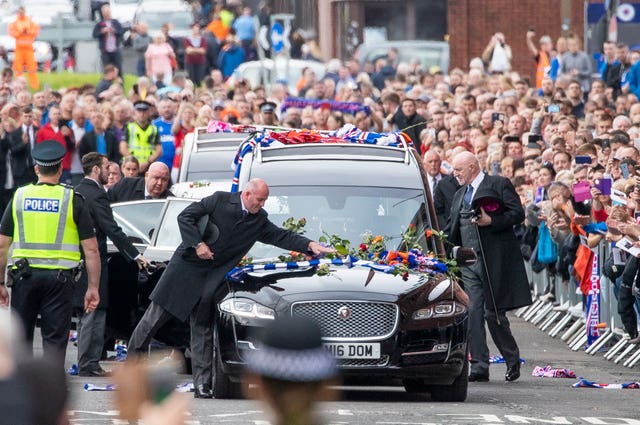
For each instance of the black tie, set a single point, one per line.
(244, 214)
(148, 197)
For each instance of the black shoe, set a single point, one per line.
(513, 373)
(96, 373)
(203, 391)
(478, 377)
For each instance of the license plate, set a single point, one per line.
(344, 350)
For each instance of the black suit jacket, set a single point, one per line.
(501, 248)
(130, 189)
(443, 197)
(21, 160)
(89, 143)
(177, 291)
(106, 227)
(95, 199)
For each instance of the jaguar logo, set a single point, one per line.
(344, 312)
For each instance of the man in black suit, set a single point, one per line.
(498, 281)
(443, 198)
(186, 290)
(91, 327)
(152, 186)
(100, 140)
(21, 141)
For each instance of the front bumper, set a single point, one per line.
(437, 353)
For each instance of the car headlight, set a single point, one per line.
(244, 307)
(441, 309)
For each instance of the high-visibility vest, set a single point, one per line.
(44, 231)
(542, 68)
(140, 140)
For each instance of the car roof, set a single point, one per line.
(319, 164)
(406, 48)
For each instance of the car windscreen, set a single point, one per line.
(428, 57)
(213, 165)
(155, 20)
(349, 212)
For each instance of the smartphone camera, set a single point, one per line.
(497, 116)
(553, 108)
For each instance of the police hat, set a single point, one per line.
(292, 351)
(268, 107)
(142, 105)
(48, 153)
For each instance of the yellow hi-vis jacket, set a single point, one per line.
(44, 231)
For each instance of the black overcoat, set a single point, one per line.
(188, 279)
(98, 204)
(130, 189)
(501, 247)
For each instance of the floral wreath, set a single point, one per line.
(371, 253)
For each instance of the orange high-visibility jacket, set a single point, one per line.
(25, 31)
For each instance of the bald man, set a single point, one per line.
(498, 281)
(186, 290)
(153, 185)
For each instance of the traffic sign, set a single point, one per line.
(277, 37)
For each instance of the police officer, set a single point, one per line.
(46, 223)
(141, 138)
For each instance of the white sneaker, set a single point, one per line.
(548, 297)
(562, 307)
(576, 310)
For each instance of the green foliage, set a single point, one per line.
(58, 80)
(294, 225)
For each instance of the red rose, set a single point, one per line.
(363, 247)
(405, 276)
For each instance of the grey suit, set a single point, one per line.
(188, 286)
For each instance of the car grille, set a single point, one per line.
(381, 362)
(366, 319)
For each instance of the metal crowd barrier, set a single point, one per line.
(564, 316)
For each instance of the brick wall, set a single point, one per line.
(471, 24)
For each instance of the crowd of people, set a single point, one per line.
(565, 142)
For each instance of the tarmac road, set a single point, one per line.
(529, 400)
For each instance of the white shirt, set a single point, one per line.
(29, 130)
(76, 164)
(433, 180)
(476, 183)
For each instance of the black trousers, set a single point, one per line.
(196, 72)
(201, 322)
(113, 58)
(46, 294)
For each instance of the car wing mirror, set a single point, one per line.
(464, 256)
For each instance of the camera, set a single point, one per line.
(497, 116)
(553, 108)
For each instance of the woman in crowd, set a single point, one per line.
(130, 166)
(195, 50)
(158, 59)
